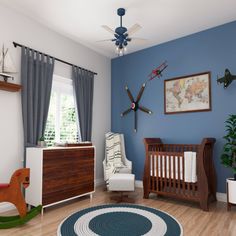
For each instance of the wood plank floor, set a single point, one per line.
(194, 221)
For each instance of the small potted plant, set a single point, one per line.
(41, 142)
(228, 157)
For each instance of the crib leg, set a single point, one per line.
(145, 190)
(204, 205)
(145, 194)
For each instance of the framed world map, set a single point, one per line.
(188, 93)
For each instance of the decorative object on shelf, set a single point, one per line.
(227, 79)
(122, 34)
(228, 158)
(7, 68)
(41, 142)
(189, 93)
(157, 72)
(12, 193)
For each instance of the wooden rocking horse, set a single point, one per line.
(12, 193)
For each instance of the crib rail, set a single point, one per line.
(174, 147)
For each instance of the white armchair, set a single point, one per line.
(127, 168)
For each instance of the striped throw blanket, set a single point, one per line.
(113, 154)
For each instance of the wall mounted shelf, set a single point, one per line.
(9, 86)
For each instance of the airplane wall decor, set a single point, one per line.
(158, 71)
(227, 79)
(135, 106)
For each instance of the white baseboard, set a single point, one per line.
(221, 197)
(99, 182)
(138, 184)
(5, 206)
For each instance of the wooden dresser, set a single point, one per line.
(60, 173)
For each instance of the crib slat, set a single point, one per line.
(161, 183)
(153, 173)
(183, 175)
(178, 174)
(169, 180)
(194, 186)
(157, 172)
(165, 164)
(174, 174)
(188, 185)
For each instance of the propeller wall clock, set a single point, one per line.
(135, 106)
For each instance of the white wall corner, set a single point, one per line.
(5, 206)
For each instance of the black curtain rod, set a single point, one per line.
(57, 59)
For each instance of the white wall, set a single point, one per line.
(18, 28)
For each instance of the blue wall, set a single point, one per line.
(211, 50)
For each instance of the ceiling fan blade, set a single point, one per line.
(129, 94)
(108, 29)
(144, 109)
(140, 93)
(103, 40)
(133, 29)
(138, 40)
(126, 112)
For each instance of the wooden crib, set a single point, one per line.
(170, 180)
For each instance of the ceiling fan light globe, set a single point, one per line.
(121, 52)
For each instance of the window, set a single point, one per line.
(62, 122)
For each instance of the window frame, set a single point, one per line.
(62, 86)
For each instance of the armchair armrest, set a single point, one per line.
(128, 163)
(104, 169)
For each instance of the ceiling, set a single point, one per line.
(161, 20)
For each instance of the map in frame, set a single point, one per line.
(188, 93)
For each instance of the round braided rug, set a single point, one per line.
(120, 220)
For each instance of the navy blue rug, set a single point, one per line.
(120, 220)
